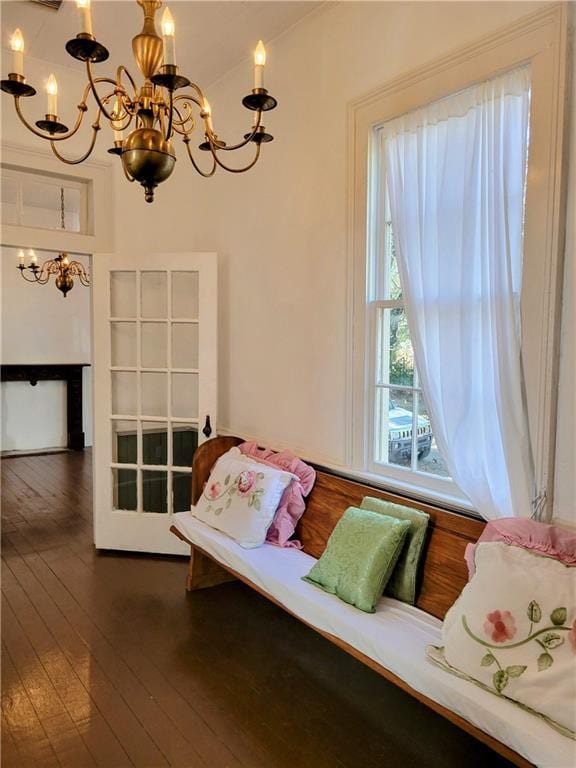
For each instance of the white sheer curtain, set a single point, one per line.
(456, 177)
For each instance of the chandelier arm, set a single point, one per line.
(122, 69)
(170, 116)
(186, 97)
(180, 123)
(93, 82)
(214, 150)
(206, 174)
(77, 269)
(32, 279)
(82, 109)
(86, 155)
(219, 145)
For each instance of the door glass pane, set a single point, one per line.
(185, 395)
(123, 294)
(124, 392)
(394, 354)
(185, 345)
(123, 344)
(125, 489)
(154, 341)
(393, 436)
(181, 491)
(154, 442)
(184, 443)
(154, 491)
(154, 294)
(154, 394)
(124, 441)
(429, 457)
(185, 295)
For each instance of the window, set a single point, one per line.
(402, 435)
(35, 200)
(384, 390)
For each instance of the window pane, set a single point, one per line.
(125, 489)
(154, 394)
(185, 395)
(123, 294)
(393, 438)
(184, 443)
(154, 491)
(123, 393)
(124, 442)
(41, 205)
(185, 345)
(429, 458)
(181, 491)
(9, 200)
(394, 353)
(154, 294)
(123, 351)
(185, 295)
(154, 341)
(394, 286)
(154, 442)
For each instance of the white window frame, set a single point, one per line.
(540, 40)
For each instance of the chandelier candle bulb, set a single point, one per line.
(17, 45)
(52, 96)
(259, 62)
(208, 113)
(20, 258)
(33, 258)
(85, 16)
(169, 38)
(118, 132)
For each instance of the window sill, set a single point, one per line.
(453, 502)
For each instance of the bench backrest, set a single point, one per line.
(444, 571)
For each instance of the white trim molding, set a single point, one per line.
(540, 39)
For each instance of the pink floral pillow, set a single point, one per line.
(512, 632)
(548, 540)
(292, 505)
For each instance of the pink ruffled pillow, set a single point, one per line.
(548, 540)
(292, 506)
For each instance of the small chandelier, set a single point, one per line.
(60, 266)
(154, 114)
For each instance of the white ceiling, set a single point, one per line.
(211, 37)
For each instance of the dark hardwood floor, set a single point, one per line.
(107, 661)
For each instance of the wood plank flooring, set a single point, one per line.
(106, 661)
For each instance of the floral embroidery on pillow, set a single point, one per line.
(500, 626)
(245, 484)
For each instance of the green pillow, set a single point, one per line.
(402, 583)
(359, 557)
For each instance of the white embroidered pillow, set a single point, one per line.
(241, 497)
(512, 631)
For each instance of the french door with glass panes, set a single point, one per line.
(155, 342)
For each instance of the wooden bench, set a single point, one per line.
(442, 577)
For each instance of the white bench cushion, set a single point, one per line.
(395, 636)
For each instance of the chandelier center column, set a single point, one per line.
(147, 46)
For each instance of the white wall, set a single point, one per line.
(40, 326)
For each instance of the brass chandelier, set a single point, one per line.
(153, 112)
(60, 267)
